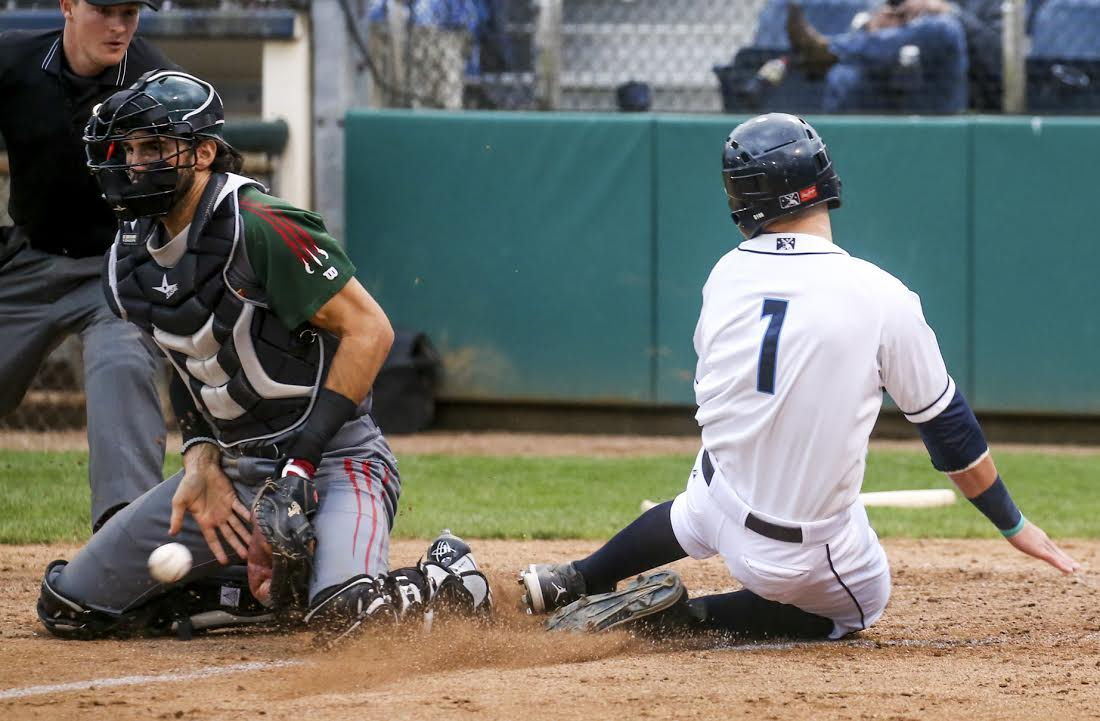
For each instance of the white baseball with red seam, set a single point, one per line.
(170, 562)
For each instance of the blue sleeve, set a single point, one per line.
(953, 438)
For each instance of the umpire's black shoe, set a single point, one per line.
(549, 586)
(655, 603)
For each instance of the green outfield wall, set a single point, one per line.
(561, 257)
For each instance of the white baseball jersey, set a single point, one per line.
(796, 341)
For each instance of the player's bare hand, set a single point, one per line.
(1034, 542)
(259, 566)
(207, 494)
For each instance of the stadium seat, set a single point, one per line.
(796, 94)
(1063, 67)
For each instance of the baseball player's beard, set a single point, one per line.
(183, 185)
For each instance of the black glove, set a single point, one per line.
(280, 553)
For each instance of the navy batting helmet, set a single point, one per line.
(168, 104)
(776, 165)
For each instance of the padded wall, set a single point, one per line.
(522, 243)
(561, 257)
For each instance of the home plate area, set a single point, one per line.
(974, 629)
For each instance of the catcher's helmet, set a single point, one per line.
(162, 103)
(776, 165)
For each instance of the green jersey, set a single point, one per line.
(296, 261)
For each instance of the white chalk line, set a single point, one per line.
(134, 680)
(858, 643)
(887, 643)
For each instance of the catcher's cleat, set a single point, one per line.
(450, 551)
(549, 586)
(446, 579)
(652, 603)
(453, 576)
(341, 611)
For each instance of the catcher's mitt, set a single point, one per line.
(280, 553)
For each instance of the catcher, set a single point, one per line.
(275, 345)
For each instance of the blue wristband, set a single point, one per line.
(1015, 529)
(995, 503)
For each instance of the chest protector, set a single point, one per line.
(252, 377)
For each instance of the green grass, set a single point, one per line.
(44, 496)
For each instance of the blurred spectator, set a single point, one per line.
(420, 50)
(496, 44)
(982, 23)
(909, 56)
(982, 20)
(495, 55)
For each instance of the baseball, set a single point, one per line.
(170, 562)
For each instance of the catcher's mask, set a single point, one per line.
(165, 115)
(775, 165)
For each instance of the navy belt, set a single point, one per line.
(786, 534)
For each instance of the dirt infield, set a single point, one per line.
(973, 631)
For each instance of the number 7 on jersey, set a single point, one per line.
(769, 347)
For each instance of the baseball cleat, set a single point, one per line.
(549, 586)
(450, 551)
(651, 603)
(340, 612)
(454, 577)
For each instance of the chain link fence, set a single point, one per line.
(688, 56)
(903, 56)
(812, 56)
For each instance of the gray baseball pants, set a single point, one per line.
(358, 486)
(43, 299)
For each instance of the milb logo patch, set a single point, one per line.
(789, 201)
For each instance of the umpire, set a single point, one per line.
(51, 260)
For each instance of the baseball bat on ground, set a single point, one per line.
(919, 498)
(924, 498)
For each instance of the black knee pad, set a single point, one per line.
(65, 618)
